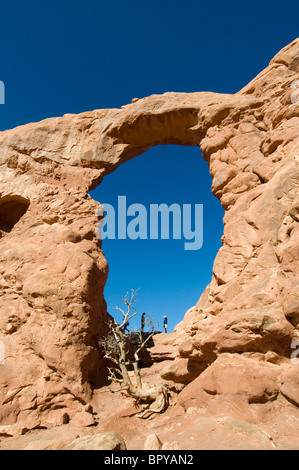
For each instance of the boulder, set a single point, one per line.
(103, 441)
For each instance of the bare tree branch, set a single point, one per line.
(123, 351)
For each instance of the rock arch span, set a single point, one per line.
(53, 271)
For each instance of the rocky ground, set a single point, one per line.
(110, 421)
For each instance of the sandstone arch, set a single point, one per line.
(53, 271)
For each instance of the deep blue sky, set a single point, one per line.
(68, 56)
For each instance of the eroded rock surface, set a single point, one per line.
(53, 272)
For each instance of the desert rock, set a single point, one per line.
(103, 441)
(152, 442)
(53, 271)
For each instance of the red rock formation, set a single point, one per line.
(53, 271)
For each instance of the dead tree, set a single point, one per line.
(122, 351)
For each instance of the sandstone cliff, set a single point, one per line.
(234, 346)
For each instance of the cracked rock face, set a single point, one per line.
(53, 272)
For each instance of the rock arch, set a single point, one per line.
(53, 271)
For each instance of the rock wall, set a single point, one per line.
(53, 271)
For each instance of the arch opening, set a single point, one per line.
(12, 209)
(170, 278)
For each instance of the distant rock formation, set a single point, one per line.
(236, 342)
